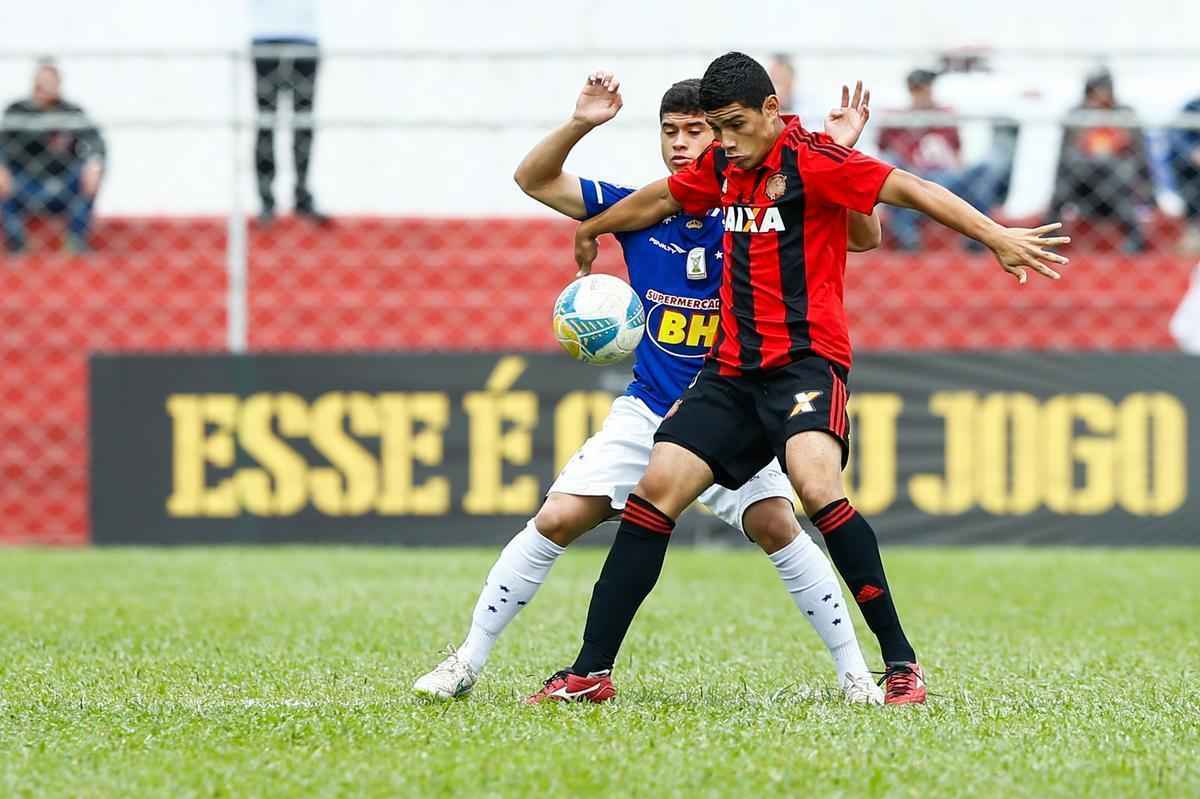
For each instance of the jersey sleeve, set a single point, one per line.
(599, 196)
(841, 176)
(698, 188)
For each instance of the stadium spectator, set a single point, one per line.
(792, 98)
(1184, 146)
(1103, 170)
(934, 152)
(783, 76)
(51, 160)
(286, 59)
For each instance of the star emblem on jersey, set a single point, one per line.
(776, 186)
(804, 403)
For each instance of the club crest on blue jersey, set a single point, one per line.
(697, 264)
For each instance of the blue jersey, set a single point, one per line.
(675, 268)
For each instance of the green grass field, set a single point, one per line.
(286, 672)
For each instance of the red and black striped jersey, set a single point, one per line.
(785, 245)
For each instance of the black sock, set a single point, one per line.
(854, 549)
(629, 574)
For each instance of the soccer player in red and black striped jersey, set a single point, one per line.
(774, 384)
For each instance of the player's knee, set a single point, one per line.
(560, 522)
(657, 488)
(817, 491)
(771, 524)
(815, 467)
(674, 479)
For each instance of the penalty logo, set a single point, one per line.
(804, 403)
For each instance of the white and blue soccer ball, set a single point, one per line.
(598, 319)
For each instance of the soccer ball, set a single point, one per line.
(598, 319)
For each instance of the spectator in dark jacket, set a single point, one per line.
(1185, 163)
(51, 160)
(1102, 169)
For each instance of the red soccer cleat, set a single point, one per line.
(567, 687)
(904, 684)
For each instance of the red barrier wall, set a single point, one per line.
(399, 284)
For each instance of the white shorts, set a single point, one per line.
(610, 463)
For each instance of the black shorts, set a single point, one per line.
(738, 424)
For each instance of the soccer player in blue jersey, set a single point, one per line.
(675, 267)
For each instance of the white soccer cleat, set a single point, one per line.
(453, 677)
(860, 689)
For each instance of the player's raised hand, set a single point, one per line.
(1022, 249)
(586, 250)
(845, 123)
(600, 99)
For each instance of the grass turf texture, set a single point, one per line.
(283, 672)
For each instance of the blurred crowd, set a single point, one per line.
(1105, 175)
(53, 159)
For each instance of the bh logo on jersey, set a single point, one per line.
(744, 219)
(682, 326)
(804, 403)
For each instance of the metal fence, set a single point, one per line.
(410, 234)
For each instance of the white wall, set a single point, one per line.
(429, 132)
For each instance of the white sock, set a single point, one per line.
(514, 579)
(809, 578)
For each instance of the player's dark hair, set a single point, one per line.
(682, 98)
(735, 78)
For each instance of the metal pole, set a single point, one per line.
(236, 249)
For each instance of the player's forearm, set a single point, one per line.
(906, 190)
(544, 163)
(863, 232)
(645, 207)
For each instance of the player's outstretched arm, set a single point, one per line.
(1017, 249)
(540, 174)
(640, 210)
